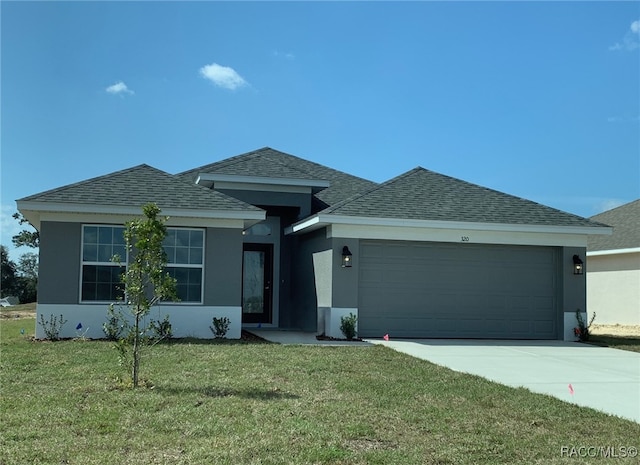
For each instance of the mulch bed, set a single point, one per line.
(322, 337)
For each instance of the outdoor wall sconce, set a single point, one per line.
(346, 257)
(578, 266)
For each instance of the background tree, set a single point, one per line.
(7, 273)
(25, 237)
(146, 281)
(27, 277)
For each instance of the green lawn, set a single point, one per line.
(630, 343)
(252, 403)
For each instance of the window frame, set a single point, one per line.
(200, 266)
(97, 263)
(125, 262)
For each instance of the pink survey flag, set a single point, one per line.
(571, 391)
(385, 337)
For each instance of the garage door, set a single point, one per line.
(440, 290)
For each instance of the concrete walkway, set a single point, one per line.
(604, 379)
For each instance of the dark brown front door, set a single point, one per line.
(257, 283)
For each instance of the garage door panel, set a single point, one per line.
(452, 290)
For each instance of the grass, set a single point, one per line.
(630, 343)
(251, 403)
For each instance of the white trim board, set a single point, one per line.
(597, 253)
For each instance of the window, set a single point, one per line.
(185, 257)
(100, 276)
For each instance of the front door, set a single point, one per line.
(257, 277)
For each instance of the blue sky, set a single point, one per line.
(536, 99)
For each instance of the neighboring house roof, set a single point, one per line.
(421, 194)
(267, 162)
(135, 187)
(626, 228)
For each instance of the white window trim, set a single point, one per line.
(126, 261)
(96, 263)
(185, 265)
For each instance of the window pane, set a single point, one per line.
(170, 238)
(194, 293)
(90, 235)
(182, 255)
(121, 251)
(105, 235)
(118, 236)
(195, 256)
(196, 238)
(88, 291)
(195, 276)
(89, 252)
(104, 252)
(101, 283)
(89, 273)
(188, 283)
(182, 238)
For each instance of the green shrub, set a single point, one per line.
(348, 326)
(161, 330)
(220, 327)
(582, 330)
(52, 327)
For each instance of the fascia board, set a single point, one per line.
(320, 220)
(598, 253)
(136, 211)
(207, 178)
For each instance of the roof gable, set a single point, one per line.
(267, 162)
(626, 228)
(421, 194)
(136, 186)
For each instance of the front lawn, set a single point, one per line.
(251, 403)
(630, 343)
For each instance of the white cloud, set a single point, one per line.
(119, 88)
(222, 76)
(629, 42)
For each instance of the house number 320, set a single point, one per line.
(464, 238)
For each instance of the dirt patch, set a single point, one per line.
(616, 330)
(17, 314)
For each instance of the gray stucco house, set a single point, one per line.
(263, 238)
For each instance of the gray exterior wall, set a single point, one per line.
(223, 267)
(304, 294)
(59, 267)
(574, 287)
(345, 280)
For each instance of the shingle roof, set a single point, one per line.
(421, 194)
(273, 163)
(140, 185)
(626, 228)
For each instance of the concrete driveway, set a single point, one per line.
(604, 379)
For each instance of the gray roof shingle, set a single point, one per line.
(626, 228)
(267, 162)
(136, 186)
(420, 194)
